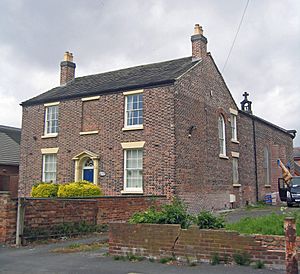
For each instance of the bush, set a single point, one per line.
(215, 259)
(78, 189)
(206, 220)
(242, 258)
(44, 190)
(175, 213)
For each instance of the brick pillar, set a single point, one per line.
(291, 260)
(8, 218)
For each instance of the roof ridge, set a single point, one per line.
(138, 66)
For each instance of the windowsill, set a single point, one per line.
(223, 156)
(268, 186)
(132, 191)
(89, 132)
(235, 141)
(133, 128)
(236, 185)
(52, 135)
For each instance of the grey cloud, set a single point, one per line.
(106, 35)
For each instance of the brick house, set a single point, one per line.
(10, 138)
(170, 128)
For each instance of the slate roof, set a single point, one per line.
(296, 152)
(291, 133)
(9, 145)
(120, 80)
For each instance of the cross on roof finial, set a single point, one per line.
(246, 94)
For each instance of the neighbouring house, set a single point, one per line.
(297, 160)
(170, 128)
(9, 159)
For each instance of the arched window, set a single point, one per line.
(266, 166)
(222, 140)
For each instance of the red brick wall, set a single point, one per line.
(8, 217)
(43, 214)
(201, 95)
(158, 241)
(280, 146)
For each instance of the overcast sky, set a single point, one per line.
(107, 35)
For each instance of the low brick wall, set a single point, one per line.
(158, 241)
(41, 215)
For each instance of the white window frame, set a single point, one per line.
(222, 147)
(52, 171)
(127, 95)
(132, 189)
(126, 147)
(46, 128)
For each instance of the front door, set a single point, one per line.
(88, 170)
(88, 175)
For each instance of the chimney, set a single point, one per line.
(67, 69)
(199, 43)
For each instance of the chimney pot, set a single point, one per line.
(198, 30)
(68, 56)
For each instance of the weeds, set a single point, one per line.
(77, 247)
(259, 265)
(215, 259)
(166, 260)
(242, 258)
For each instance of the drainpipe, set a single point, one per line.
(255, 159)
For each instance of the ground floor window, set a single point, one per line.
(133, 169)
(235, 171)
(49, 168)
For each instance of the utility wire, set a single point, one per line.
(237, 32)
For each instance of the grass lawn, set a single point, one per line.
(267, 225)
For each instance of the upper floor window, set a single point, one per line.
(266, 166)
(51, 120)
(222, 140)
(49, 168)
(233, 127)
(134, 110)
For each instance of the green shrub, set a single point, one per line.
(206, 220)
(175, 213)
(215, 259)
(78, 189)
(242, 258)
(259, 264)
(44, 190)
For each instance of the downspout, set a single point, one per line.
(255, 159)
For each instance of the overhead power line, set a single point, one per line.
(237, 32)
